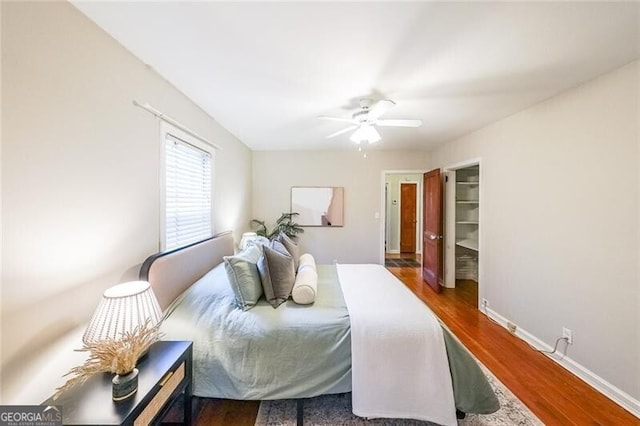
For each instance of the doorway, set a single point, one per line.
(462, 207)
(466, 287)
(401, 227)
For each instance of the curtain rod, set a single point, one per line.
(176, 123)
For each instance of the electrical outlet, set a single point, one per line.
(568, 334)
(512, 327)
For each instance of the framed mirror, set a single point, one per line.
(318, 206)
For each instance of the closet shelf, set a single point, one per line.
(464, 247)
(468, 243)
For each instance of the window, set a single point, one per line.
(187, 191)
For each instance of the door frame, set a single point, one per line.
(382, 208)
(417, 247)
(449, 217)
(385, 218)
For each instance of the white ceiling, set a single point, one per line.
(266, 70)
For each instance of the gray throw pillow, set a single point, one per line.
(277, 273)
(291, 247)
(242, 271)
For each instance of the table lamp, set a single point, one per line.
(247, 237)
(123, 308)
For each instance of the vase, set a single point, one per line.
(125, 385)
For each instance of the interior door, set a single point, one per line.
(432, 229)
(408, 219)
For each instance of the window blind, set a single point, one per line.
(187, 193)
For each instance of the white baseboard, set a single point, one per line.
(618, 396)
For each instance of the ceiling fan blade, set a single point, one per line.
(344, 120)
(339, 132)
(399, 123)
(380, 108)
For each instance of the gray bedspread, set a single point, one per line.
(293, 351)
(471, 390)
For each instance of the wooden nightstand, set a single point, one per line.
(164, 375)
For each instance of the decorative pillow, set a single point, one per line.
(242, 271)
(291, 247)
(306, 260)
(277, 273)
(305, 287)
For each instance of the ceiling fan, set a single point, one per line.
(364, 120)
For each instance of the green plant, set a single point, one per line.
(284, 224)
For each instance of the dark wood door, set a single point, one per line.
(432, 229)
(408, 219)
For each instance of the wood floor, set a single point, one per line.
(553, 394)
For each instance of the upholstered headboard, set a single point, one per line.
(170, 273)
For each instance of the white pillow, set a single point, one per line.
(306, 286)
(307, 260)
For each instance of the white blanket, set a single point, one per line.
(399, 360)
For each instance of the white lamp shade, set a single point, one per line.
(247, 237)
(123, 307)
(365, 133)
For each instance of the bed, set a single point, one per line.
(302, 351)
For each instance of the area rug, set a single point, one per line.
(332, 410)
(401, 263)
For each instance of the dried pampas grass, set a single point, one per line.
(112, 356)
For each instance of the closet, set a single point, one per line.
(467, 207)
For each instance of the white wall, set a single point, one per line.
(560, 221)
(359, 241)
(1, 393)
(80, 182)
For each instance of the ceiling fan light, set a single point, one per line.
(357, 136)
(370, 134)
(365, 133)
(374, 137)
